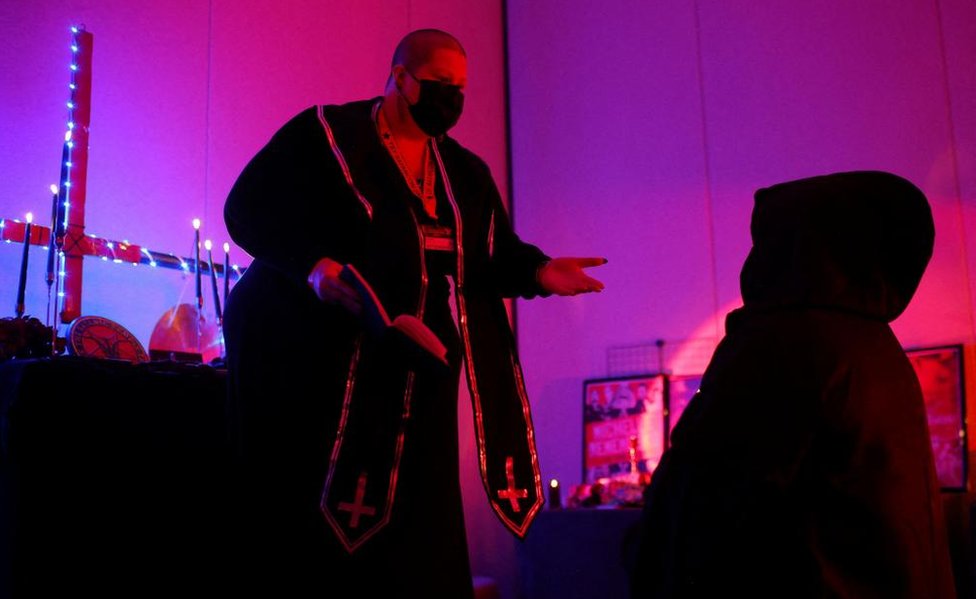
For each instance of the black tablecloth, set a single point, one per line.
(113, 478)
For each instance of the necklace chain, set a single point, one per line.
(424, 188)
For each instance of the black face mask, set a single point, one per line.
(438, 108)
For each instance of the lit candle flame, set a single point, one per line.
(226, 247)
(196, 224)
(30, 217)
(54, 189)
(554, 483)
(207, 245)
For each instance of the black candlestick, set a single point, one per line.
(213, 281)
(226, 272)
(196, 263)
(22, 283)
(51, 247)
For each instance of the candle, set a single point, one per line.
(555, 500)
(213, 279)
(61, 214)
(22, 284)
(65, 172)
(226, 272)
(633, 456)
(51, 247)
(196, 261)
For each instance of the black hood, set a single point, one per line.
(855, 241)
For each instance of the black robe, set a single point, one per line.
(349, 450)
(803, 467)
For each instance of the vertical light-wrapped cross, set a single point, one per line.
(74, 177)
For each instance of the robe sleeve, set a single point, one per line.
(513, 262)
(272, 208)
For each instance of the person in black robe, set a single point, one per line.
(347, 444)
(803, 466)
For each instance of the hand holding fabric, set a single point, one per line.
(565, 276)
(325, 282)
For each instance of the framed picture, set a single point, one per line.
(940, 373)
(624, 432)
(681, 388)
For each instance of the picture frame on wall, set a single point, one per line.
(681, 389)
(940, 374)
(628, 420)
(624, 426)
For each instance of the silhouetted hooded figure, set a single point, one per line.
(803, 467)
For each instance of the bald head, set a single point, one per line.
(431, 60)
(418, 47)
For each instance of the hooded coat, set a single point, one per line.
(803, 466)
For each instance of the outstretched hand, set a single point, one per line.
(565, 276)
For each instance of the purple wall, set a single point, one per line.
(641, 130)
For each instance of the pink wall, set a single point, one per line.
(641, 130)
(184, 93)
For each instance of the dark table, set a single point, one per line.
(113, 478)
(578, 553)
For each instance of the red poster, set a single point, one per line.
(623, 427)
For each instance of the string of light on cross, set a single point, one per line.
(66, 239)
(119, 252)
(512, 493)
(69, 221)
(357, 508)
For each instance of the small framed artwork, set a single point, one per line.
(940, 373)
(681, 388)
(624, 431)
